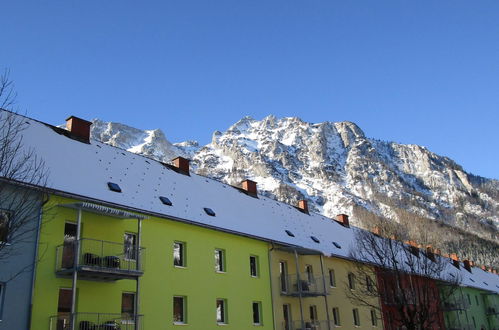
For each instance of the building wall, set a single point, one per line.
(336, 297)
(198, 281)
(17, 262)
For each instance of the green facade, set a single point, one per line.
(198, 282)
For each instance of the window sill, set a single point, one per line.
(180, 267)
(222, 324)
(180, 323)
(221, 272)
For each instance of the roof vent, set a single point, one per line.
(79, 128)
(165, 200)
(467, 265)
(209, 211)
(114, 187)
(337, 245)
(289, 233)
(303, 206)
(315, 239)
(181, 165)
(249, 187)
(342, 219)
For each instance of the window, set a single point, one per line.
(130, 246)
(2, 289)
(283, 272)
(336, 316)
(356, 319)
(286, 313)
(374, 318)
(179, 310)
(4, 225)
(476, 299)
(351, 281)
(257, 313)
(332, 278)
(253, 266)
(114, 187)
(310, 273)
(313, 313)
(179, 254)
(219, 260)
(474, 322)
(128, 306)
(221, 311)
(469, 298)
(369, 284)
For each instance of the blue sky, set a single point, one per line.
(422, 72)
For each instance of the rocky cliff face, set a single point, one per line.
(334, 166)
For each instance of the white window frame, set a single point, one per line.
(351, 281)
(184, 310)
(183, 259)
(257, 266)
(259, 310)
(223, 320)
(220, 263)
(336, 317)
(134, 253)
(134, 307)
(332, 279)
(356, 317)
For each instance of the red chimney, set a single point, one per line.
(250, 187)
(79, 128)
(303, 205)
(467, 265)
(343, 220)
(181, 164)
(483, 267)
(455, 260)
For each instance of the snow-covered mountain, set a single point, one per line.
(334, 166)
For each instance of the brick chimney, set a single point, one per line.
(376, 231)
(430, 254)
(303, 205)
(182, 165)
(249, 187)
(483, 267)
(79, 128)
(342, 219)
(467, 265)
(455, 260)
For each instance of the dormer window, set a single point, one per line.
(114, 187)
(165, 200)
(209, 211)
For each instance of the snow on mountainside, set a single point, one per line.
(334, 166)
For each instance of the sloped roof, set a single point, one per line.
(84, 170)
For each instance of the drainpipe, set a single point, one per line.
(325, 292)
(271, 285)
(35, 261)
(299, 288)
(75, 270)
(139, 266)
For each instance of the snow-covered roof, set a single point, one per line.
(84, 170)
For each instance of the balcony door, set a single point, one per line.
(283, 272)
(69, 244)
(64, 309)
(286, 310)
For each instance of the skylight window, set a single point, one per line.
(290, 233)
(209, 211)
(315, 239)
(337, 245)
(472, 280)
(165, 200)
(114, 187)
(486, 283)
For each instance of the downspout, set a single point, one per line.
(271, 285)
(299, 288)
(325, 292)
(75, 270)
(139, 266)
(35, 262)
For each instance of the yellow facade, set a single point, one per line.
(303, 307)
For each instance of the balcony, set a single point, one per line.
(97, 321)
(305, 287)
(457, 304)
(100, 260)
(307, 325)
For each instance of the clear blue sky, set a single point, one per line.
(423, 72)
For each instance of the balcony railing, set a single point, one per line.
(101, 260)
(306, 286)
(455, 304)
(97, 321)
(307, 325)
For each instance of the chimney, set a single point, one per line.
(303, 205)
(182, 165)
(376, 231)
(343, 220)
(455, 260)
(79, 128)
(250, 187)
(483, 267)
(467, 265)
(430, 254)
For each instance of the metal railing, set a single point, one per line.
(306, 285)
(453, 304)
(97, 321)
(307, 325)
(101, 255)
